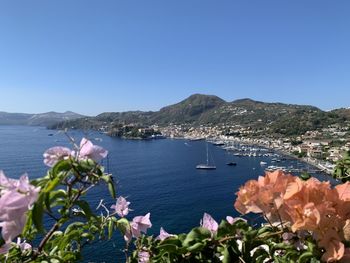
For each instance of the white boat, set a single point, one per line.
(206, 166)
(263, 163)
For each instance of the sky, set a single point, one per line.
(98, 56)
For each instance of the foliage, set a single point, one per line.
(342, 168)
(232, 242)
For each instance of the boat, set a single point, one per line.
(231, 163)
(263, 163)
(219, 143)
(206, 166)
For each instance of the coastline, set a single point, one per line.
(318, 167)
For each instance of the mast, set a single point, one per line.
(207, 155)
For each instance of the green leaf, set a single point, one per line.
(196, 234)
(52, 184)
(305, 257)
(47, 201)
(73, 226)
(28, 224)
(67, 239)
(123, 225)
(170, 248)
(60, 193)
(196, 247)
(61, 166)
(111, 189)
(38, 213)
(110, 229)
(85, 207)
(263, 230)
(227, 256)
(109, 181)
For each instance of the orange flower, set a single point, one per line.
(264, 195)
(334, 247)
(247, 198)
(306, 205)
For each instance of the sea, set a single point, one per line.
(156, 176)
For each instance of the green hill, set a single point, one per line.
(199, 109)
(188, 110)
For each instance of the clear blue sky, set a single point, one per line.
(97, 56)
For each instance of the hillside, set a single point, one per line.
(42, 119)
(198, 109)
(188, 110)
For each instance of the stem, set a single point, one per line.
(266, 218)
(54, 228)
(241, 259)
(227, 238)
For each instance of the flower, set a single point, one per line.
(163, 235)
(55, 154)
(335, 249)
(121, 207)
(231, 220)
(90, 151)
(17, 198)
(209, 223)
(139, 224)
(264, 195)
(23, 245)
(307, 206)
(143, 257)
(5, 248)
(11, 229)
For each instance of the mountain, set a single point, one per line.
(188, 110)
(42, 119)
(199, 109)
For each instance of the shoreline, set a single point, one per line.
(307, 160)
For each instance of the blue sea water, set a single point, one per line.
(157, 176)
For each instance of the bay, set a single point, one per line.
(157, 176)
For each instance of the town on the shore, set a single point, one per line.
(320, 148)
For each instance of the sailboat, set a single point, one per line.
(206, 166)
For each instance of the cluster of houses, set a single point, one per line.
(314, 145)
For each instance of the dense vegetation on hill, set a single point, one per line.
(187, 111)
(198, 109)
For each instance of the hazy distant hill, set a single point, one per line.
(198, 109)
(42, 119)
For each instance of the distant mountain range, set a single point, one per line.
(199, 109)
(42, 119)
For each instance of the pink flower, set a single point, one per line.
(143, 256)
(163, 235)
(5, 248)
(139, 224)
(91, 151)
(232, 220)
(6, 183)
(23, 245)
(11, 229)
(17, 199)
(209, 223)
(121, 207)
(55, 154)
